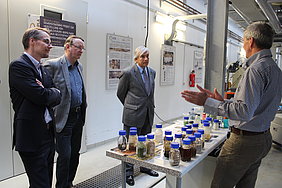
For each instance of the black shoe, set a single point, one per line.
(130, 180)
(149, 172)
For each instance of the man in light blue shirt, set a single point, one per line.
(251, 111)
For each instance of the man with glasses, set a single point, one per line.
(66, 72)
(250, 112)
(33, 96)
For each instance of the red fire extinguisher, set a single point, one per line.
(192, 79)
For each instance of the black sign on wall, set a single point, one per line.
(60, 29)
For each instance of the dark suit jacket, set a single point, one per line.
(29, 103)
(136, 101)
(58, 69)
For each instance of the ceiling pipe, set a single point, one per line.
(270, 14)
(182, 18)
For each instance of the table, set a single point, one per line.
(160, 163)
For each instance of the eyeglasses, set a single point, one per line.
(79, 47)
(46, 41)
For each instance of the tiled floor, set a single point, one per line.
(94, 162)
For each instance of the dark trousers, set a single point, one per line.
(145, 129)
(68, 143)
(39, 164)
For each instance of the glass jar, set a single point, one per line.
(168, 140)
(204, 116)
(209, 119)
(150, 144)
(195, 127)
(188, 126)
(207, 131)
(159, 134)
(202, 137)
(216, 124)
(185, 120)
(193, 144)
(186, 151)
(198, 142)
(132, 140)
(178, 139)
(168, 132)
(198, 119)
(141, 149)
(133, 128)
(174, 154)
(122, 140)
(189, 132)
(183, 130)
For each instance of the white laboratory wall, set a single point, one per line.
(127, 18)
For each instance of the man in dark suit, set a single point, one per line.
(136, 93)
(33, 96)
(66, 73)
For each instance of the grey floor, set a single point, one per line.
(94, 162)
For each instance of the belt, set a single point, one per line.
(246, 133)
(76, 109)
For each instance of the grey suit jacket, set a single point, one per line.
(136, 101)
(58, 69)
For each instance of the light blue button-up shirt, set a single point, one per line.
(257, 97)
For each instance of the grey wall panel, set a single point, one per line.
(6, 164)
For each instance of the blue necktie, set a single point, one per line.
(146, 81)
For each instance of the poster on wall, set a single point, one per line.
(167, 65)
(59, 29)
(119, 56)
(198, 66)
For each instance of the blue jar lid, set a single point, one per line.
(150, 136)
(188, 126)
(122, 132)
(174, 145)
(159, 126)
(197, 135)
(206, 124)
(205, 121)
(201, 131)
(209, 118)
(178, 135)
(216, 120)
(169, 137)
(133, 128)
(183, 128)
(192, 138)
(189, 131)
(186, 141)
(195, 125)
(132, 132)
(141, 138)
(186, 118)
(168, 132)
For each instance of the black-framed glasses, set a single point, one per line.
(79, 47)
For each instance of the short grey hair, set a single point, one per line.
(34, 32)
(140, 51)
(262, 33)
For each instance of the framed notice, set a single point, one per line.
(198, 66)
(119, 56)
(167, 65)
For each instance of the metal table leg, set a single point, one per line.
(123, 175)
